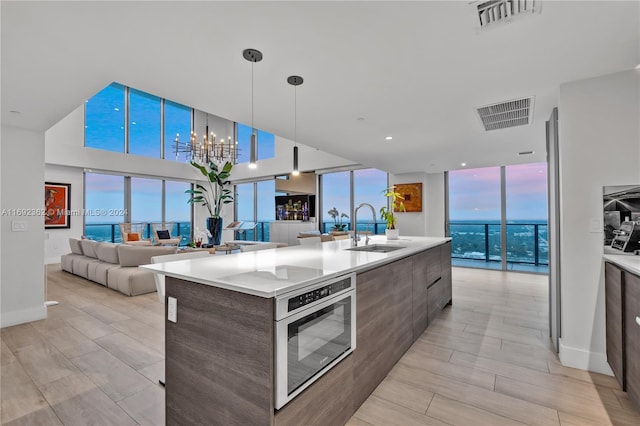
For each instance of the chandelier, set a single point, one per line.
(209, 149)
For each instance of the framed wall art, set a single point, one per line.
(412, 193)
(57, 202)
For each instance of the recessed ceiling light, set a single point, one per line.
(133, 122)
(389, 138)
(463, 164)
(13, 111)
(253, 166)
(116, 109)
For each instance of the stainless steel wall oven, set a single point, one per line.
(315, 329)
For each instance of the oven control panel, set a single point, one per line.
(316, 294)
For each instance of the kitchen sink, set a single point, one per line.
(377, 248)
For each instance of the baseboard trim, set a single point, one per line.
(22, 316)
(584, 360)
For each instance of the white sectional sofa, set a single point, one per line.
(114, 265)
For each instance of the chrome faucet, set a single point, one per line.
(356, 238)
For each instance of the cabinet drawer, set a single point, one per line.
(436, 299)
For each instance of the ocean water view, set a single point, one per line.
(527, 241)
(474, 240)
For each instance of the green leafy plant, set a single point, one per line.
(388, 214)
(218, 193)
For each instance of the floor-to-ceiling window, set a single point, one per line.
(498, 217)
(368, 187)
(104, 206)
(265, 208)
(336, 200)
(177, 209)
(345, 191)
(474, 216)
(526, 217)
(255, 207)
(151, 201)
(146, 202)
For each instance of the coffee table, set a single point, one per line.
(226, 248)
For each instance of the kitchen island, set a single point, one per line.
(220, 354)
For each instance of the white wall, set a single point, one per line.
(434, 205)
(431, 221)
(412, 223)
(599, 142)
(22, 272)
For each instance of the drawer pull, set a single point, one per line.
(637, 320)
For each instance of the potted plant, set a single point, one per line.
(338, 225)
(388, 213)
(215, 195)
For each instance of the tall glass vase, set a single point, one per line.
(214, 225)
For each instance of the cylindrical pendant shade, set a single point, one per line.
(254, 150)
(295, 161)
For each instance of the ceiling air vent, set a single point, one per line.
(490, 12)
(506, 114)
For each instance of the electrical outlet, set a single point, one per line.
(172, 309)
(18, 226)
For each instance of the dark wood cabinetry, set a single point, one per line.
(419, 298)
(632, 335)
(220, 355)
(614, 322)
(622, 292)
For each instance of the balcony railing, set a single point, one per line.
(110, 232)
(375, 227)
(261, 231)
(527, 243)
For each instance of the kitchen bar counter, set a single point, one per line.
(226, 344)
(270, 273)
(629, 262)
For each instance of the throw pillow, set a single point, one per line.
(133, 236)
(163, 234)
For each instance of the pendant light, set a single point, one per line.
(295, 81)
(253, 56)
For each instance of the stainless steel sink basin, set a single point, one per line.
(377, 248)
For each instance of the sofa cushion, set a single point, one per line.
(99, 271)
(131, 281)
(130, 255)
(75, 246)
(133, 236)
(66, 261)
(80, 265)
(107, 252)
(89, 248)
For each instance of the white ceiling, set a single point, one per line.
(413, 70)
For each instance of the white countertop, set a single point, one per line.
(626, 261)
(270, 273)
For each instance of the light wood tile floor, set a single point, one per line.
(485, 361)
